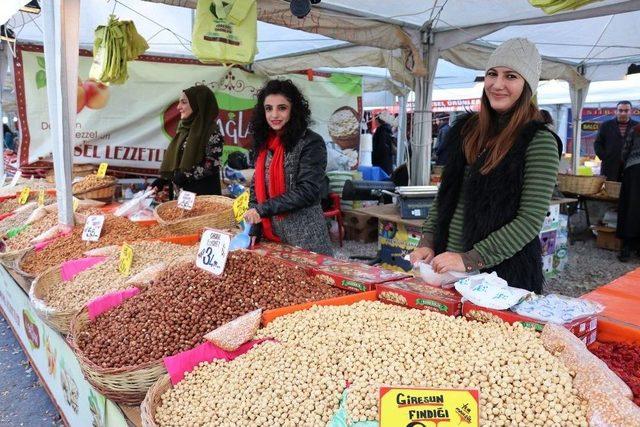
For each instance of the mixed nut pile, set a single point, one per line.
(90, 182)
(200, 207)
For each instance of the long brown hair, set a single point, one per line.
(481, 132)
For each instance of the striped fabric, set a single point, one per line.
(540, 173)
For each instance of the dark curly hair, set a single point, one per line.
(298, 123)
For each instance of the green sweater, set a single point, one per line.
(540, 173)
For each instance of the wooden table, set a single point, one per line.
(389, 212)
(583, 206)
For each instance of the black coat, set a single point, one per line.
(382, 155)
(304, 224)
(608, 147)
(491, 202)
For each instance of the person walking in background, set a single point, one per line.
(442, 148)
(8, 138)
(628, 227)
(611, 138)
(383, 142)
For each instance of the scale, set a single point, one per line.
(415, 201)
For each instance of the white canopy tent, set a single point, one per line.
(407, 38)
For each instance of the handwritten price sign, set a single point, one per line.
(102, 170)
(24, 195)
(186, 200)
(126, 258)
(240, 206)
(93, 228)
(213, 251)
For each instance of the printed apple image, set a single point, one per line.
(96, 93)
(81, 96)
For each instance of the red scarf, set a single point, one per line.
(277, 184)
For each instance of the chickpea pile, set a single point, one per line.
(298, 380)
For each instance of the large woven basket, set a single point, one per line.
(220, 220)
(578, 184)
(612, 188)
(153, 399)
(18, 269)
(59, 320)
(127, 385)
(104, 193)
(349, 141)
(8, 259)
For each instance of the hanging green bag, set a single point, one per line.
(225, 31)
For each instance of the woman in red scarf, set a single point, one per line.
(290, 168)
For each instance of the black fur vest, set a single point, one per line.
(491, 201)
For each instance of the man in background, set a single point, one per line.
(610, 140)
(441, 149)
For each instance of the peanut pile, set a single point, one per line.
(115, 231)
(298, 380)
(91, 181)
(105, 277)
(200, 207)
(186, 302)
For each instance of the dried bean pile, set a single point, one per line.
(115, 231)
(624, 360)
(18, 218)
(91, 181)
(105, 277)
(298, 380)
(185, 303)
(23, 240)
(9, 205)
(200, 207)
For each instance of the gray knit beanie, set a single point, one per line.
(521, 56)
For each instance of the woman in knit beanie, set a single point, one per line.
(498, 179)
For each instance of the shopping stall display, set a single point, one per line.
(205, 211)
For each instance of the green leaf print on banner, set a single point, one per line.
(40, 60)
(41, 79)
(349, 84)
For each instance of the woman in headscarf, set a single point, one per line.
(192, 161)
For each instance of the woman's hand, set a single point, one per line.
(448, 261)
(421, 254)
(252, 216)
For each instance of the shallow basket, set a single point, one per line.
(8, 259)
(578, 184)
(152, 401)
(127, 385)
(103, 193)
(220, 220)
(19, 271)
(612, 188)
(59, 320)
(350, 141)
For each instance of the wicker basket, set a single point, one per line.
(578, 184)
(18, 269)
(152, 400)
(127, 385)
(8, 259)
(59, 320)
(612, 188)
(103, 193)
(220, 220)
(351, 141)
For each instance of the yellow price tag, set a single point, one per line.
(41, 198)
(24, 195)
(76, 203)
(126, 258)
(416, 406)
(241, 205)
(102, 170)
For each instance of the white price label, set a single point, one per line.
(93, 228)
(213, 251)
(186, 199)
(15, 179)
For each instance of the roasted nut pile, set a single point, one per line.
(105, 277)
(200, 207)
(9, 205)
(91, 181)
(23, 240)
(18, 218)
(185, 303)
(115, 231)
(298, 379)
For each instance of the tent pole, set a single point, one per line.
(578, 96)
(4, 63)
(61, 33)
(402, 130)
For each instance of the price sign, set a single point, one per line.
(126, 258)
(102, 170)
(15, 179)
(186, 199)
(93, 228)
(24, 195)
(75, 204)
(213, 251)
(241, 205)
(41, 198)
(416, 406)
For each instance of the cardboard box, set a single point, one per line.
(295, 256)
(607, 238)
(548, 242)
(415, 293)
(359, 221)
(552, 219)
(355, 277)
(579, 327)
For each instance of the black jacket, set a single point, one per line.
(382, 155)
(608, 147)
(304, 224)
(442, 149)
(491, 201)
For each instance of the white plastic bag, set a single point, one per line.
(141, 200)
(558, 308)
(490, 291)
(444, 280)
